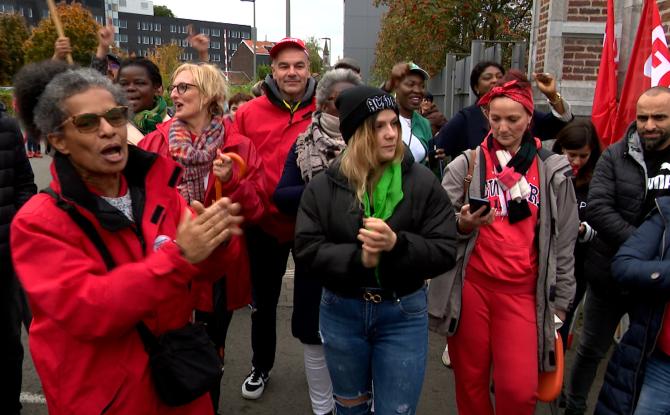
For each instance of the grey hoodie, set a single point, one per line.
(558, 225)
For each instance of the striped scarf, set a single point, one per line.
(196, 155)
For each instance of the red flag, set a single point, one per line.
(604, 111)
(649, 59)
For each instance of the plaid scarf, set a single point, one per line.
(319, 145)
(196, 155)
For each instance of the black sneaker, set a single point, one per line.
(254, 384)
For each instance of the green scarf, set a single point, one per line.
(147, 120)
(387, 194)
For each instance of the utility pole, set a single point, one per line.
(254, 34)
(288, 18)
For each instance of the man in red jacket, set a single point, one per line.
(273, 122)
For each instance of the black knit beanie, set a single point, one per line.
(357, 104)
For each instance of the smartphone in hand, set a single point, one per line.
(476, 203)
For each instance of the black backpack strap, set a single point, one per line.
(87, 227)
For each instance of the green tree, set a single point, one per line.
(426, 30)
(315, 61)
(162, 11)
(13, 32)
(262, 71)
(78, 25)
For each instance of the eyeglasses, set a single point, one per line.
(181, 88)
(89, 123)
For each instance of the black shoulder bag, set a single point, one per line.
(184, 363)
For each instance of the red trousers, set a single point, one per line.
(496, 329)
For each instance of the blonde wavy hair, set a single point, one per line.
(360, 164)
(210, 82)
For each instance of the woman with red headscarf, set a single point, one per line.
(517, 223)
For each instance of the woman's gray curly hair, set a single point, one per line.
(330, 79)
(49, 113)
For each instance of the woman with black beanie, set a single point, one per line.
(373, 228)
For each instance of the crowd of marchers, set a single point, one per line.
(490, 228)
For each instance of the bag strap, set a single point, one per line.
(85, 225)
(471, 158)
(148, 338)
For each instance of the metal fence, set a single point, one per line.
(451, 87)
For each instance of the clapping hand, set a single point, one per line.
(199, 236)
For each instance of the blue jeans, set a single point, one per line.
(381, 346)
(655, 394)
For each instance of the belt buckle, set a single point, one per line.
(375, 298)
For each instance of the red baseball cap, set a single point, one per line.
(285, 43)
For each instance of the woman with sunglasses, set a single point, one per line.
(373, 228)
(515, 270)
(197, 139)
(83, 336)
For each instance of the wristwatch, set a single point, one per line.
(558, 98)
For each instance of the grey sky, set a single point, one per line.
(318, 18)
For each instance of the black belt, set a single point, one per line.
(375, 295)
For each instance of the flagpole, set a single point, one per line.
(253, 33)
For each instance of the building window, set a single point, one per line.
(204, 31)
(157, 27)
(123, 24)
(146, 26)
(246, 35)
(122, 3)
(144, 5)
(30, 12)
(216, 32)
(98, 19)
(173, 28)
(139, 39)
(157, 41)
(139, 25)
(234, 46)
(216, 45)
(45, 15)
(145, 39)
(123, 38)
(115, 22)
(216, 57)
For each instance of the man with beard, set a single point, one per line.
(628, 178)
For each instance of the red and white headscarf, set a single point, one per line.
(512, 90)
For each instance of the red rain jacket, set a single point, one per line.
(247, 191)
(83, 340)
(273, 128)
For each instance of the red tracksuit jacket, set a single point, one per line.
(83, 340)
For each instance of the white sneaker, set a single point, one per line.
(254, 384)
(445, 356)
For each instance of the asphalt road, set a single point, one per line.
(286, 392)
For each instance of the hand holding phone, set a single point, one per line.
(477, 203)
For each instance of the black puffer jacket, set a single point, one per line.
(616, 198)
(330, 216)
(17, 183)
(641, 266)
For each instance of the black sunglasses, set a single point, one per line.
(181, 88)
(89, 123)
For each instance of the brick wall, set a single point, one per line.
(664, 9)
(581, 58)
(587, 10)
(542, 35)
